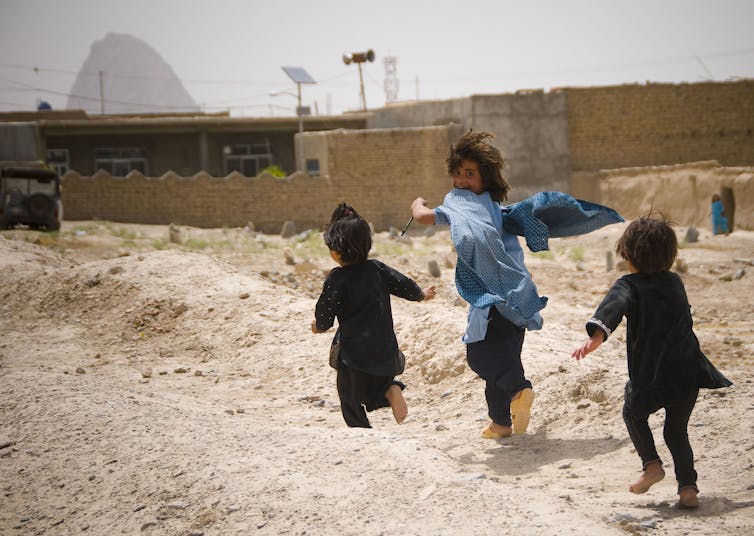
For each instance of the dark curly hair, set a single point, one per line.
(349, 235)
(476, 146)
(649, 244)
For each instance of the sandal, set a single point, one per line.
(521, 410)
(488, 433)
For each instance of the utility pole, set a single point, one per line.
(101, 94)
(300, 113)
(300, 76)
(358, 58)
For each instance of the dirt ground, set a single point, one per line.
(158, 386)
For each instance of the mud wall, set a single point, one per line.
(682, 192)
(379, 172)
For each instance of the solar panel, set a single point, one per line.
(299, 75)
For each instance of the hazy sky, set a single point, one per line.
(229, 53)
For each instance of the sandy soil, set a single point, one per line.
(150, 386)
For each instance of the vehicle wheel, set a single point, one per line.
(40, 206)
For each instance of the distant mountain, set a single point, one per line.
(135, 79)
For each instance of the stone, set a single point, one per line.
(288, 230)
(692, 235)
(434, 268)
(174, 234)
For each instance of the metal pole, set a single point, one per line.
(300, 112)
(361, 84)
(101, 95)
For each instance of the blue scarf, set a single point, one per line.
(486, 274)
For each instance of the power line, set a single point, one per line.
(693, 57)
(27, 87)
(37, 70)
(599, 68)
(134, 76)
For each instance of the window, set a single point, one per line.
(119, 162)
(248, 159)
(312, 167)
(58, 160)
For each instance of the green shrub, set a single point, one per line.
(275, 171)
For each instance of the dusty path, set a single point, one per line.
(148, 387)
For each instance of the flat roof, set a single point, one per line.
(67, 123)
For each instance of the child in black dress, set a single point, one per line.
(666, 367)
(358, 294)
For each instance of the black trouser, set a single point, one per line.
(497, 360)
(358, 390)
(637, 407)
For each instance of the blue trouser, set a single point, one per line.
(637, 407)
(497, 360)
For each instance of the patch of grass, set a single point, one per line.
(576, 253)
(160, 244)
(312, 246)
(392, 248)
(222, 245)
(196, 243)
(122, 232)
(547, 254)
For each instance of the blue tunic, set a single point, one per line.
(490, 268)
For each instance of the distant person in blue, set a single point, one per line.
(666, 367)
(719, 221)
(357, 293)
(490, 273)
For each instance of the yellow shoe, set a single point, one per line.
(521, 410)
(487, 433)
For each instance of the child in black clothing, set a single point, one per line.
(358, 294)
(666, 367)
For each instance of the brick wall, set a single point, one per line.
(379, 172)
(660, 124)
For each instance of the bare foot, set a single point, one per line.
(497, 431)
(394, 396)
(688, 498)
(651, 475)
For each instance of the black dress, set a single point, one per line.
(664, 357)
(359, 296)
(666, 367)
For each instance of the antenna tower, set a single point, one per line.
(391, 78)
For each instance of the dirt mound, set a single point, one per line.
(171, 390)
